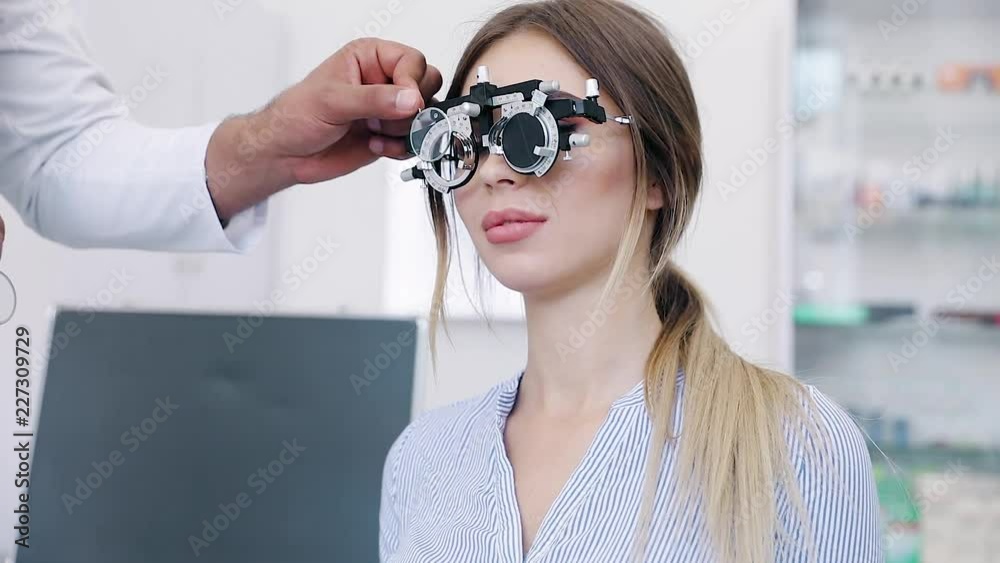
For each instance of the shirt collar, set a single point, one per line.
(507, 395)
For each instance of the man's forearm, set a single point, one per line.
(241, 163)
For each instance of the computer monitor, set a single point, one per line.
(165, 438)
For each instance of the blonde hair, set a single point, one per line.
(739, 412)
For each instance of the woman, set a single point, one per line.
(653, 439)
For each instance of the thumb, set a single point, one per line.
(350, 102)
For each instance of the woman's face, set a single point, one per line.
(583, 202)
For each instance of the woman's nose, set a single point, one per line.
(494, 172)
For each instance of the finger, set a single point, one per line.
(398, 127)
(389, 147)
(407, 66)
(391, 128)
(429, 85)
(404, 64)
(381, 60)
(431, 82)
(371, 68)
(349, 102)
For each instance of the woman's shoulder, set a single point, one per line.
(836, 485)
(439, 431)
(834, 429)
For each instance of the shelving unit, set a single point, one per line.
(897, 234)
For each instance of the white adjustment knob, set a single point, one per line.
(470, 109)
(549, 86)
(483, 74)
(579, 140)
(407, 175)
(592, 88)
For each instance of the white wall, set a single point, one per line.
(739, 249)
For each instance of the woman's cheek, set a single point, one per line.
(467, 213)
(461, 203)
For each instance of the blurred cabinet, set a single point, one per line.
(897, 258)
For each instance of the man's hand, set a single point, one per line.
(354, 107)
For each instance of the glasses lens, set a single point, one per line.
(430, 134)
(459, 160)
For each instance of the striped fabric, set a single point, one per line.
(448, 493)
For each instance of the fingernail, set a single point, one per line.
(376, 145)
(407, 100)
(374, 124)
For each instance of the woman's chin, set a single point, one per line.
(537, 280)
(524, 281)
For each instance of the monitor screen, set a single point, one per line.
(181, 437)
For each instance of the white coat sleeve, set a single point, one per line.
(79, 171)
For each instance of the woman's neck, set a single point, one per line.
(582, 356)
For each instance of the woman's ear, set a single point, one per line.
(654, 197)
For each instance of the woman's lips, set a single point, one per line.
(511, 224)
(513, 231)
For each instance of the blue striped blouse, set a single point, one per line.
(448, 492)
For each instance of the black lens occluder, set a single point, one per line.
(521, 135)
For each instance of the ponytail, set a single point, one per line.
(734, 449)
